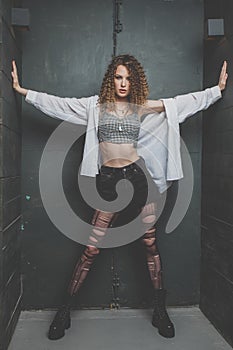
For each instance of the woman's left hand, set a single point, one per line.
(223, 77)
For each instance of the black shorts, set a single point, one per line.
(144, 188)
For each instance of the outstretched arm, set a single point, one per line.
(189, 100)
(191, 103)
(65, 108)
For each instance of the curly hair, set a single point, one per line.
(138, 82)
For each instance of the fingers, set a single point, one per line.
(14, 74)
(223, 76)
(224, 69)
(14, 67)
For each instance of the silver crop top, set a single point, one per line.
(119, 129)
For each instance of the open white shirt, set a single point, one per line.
(159, 137)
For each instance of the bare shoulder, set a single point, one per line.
(152, 106)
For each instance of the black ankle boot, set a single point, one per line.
(160, 317)
(60, 323)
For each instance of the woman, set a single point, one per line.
(120, 120)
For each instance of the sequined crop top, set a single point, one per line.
(119, 129)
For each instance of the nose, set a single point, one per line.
(123, 82)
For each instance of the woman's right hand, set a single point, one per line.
(15, 80)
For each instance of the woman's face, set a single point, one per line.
(122, 82)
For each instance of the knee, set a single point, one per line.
(149, 238)
(148, 242)
(92, 250)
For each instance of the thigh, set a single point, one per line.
(106, 185)
(146, 191)
(100, 222)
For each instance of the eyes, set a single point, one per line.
(119, 77)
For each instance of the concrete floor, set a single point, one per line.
(123, 329)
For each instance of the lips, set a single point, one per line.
(122, 91)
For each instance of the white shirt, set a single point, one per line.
(159, 137)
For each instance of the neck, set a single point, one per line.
(123, 99)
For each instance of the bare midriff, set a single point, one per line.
(118, 155)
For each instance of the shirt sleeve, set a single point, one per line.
(191, 103)
(72, 109)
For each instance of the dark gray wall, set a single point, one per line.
(217, 183)
(66, 52)
(167, 37)
(10, 167)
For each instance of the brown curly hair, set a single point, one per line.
(138, 82)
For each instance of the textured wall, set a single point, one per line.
(167, 37)
(217, 184)
(10, 168)
(66, 53)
